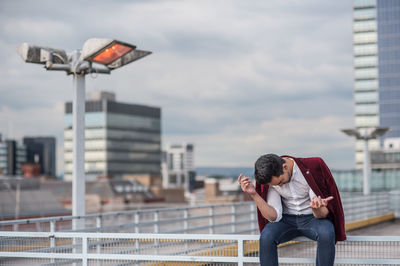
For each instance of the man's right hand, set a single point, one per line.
(246, 184)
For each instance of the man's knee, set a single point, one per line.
(326, 231)
(267, 237)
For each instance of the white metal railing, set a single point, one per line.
(237, 218)
(192, 249)
(358, 207)
(233, 218)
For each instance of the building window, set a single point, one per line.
(369, 25)
(365, 49)
(365, 37)
(366, 109)
(362, 97)
(366, 85)
(172, 179)
(365, 61)
(363, 3)
(360, 14)
(366, 73)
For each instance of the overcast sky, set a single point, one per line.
(236, 78)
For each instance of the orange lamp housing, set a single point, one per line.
(105, 51)
(111, 53)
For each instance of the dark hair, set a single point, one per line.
(267, 166)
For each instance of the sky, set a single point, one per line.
(238, 79)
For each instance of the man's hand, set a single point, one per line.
(246, 184)
(318, 206)
(318, 202)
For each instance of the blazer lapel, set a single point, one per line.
(308, 176)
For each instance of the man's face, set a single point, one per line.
(283, 178)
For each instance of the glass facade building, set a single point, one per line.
(42, 150)
(120, 139)
(376, 49)
(389, 66)
(12, 156)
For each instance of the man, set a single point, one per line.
(295, 197)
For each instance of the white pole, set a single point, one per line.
(17, 198)
(78, 161)
(367, 169)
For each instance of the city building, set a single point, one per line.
(387, 158)
(376, 48)
(12, 156)
(42, 151)
(120, 138)
(178, 170)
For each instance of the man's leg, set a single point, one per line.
(322, 231)
(272, 235)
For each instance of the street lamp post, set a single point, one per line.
(366, 135)
(97, 56)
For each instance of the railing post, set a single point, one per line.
(84, 250)
(186, 226)
(233, 218)
(211, 219)
(52, 238)
(156, 229)
(156, 220)
(253, 218)
(136, 217)
(185, 220)
(137, 230)
(240, 252)
(99, 224)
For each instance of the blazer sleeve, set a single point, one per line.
(335, 207)
(262, 191)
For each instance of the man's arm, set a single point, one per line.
(266, 210)
(318, 206)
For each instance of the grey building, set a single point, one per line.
(120, 138)
(12, 156)
(376, 46)
(42, 150)
(178, 170)
(387, 158)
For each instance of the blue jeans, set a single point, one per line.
(291, 226)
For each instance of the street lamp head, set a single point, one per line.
(367, 133)
(378, 131)
(352, 132)
(111, 53)
(108, 54)
(104, 51)
(41, 55)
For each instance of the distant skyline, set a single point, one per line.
(238, 79)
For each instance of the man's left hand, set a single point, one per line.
(318, 202)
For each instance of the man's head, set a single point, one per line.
(272, 170)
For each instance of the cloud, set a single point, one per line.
(244, 142)
(236, 78)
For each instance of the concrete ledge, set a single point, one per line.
(369, 221)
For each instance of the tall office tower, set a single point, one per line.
(376, 43)
(12, 156)
(178, 167)
(42, 150)
(120, 138)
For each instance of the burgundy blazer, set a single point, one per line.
(320, 179)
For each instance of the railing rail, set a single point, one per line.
(213, 218)
(148, 249)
